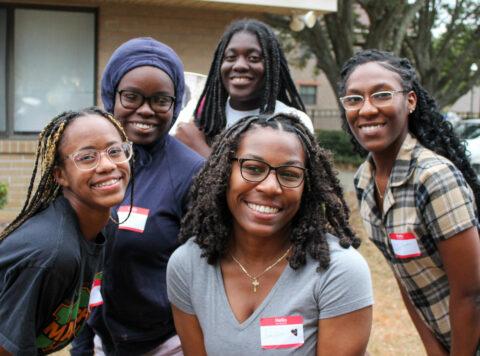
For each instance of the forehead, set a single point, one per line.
(276, 147)
(147, 79)
(372, 75)
(244, 40)
(89, 131)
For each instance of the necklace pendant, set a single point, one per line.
(255, 284)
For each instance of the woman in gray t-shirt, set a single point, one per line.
(268, 262)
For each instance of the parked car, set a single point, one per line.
(469, 130)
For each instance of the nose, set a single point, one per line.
(270, 184)
(145, 109)
(240, 64)
(105, 164)
(367, 108)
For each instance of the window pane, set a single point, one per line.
(3, 71)
(54, 65)
(308, 94)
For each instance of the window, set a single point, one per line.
(309, 94)
(52, 68)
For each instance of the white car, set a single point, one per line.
(469, 130)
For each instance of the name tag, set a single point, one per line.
(136, 221)
(284, 332)
(95, 295)
(404, 245)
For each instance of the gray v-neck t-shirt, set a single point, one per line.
(197, 288)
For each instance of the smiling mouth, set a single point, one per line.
(264, 209)
(107, 183)
(371, 128)
(240, 80)
(142, 125)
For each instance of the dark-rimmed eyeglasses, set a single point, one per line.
(159, 103)
(88, 159)
(256, 171)
(378, 99)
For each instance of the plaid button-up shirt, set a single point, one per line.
(428, 199)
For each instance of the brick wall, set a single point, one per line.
(16, 164)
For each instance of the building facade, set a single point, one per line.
(53, 52)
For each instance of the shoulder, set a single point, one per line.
(184, 158)
(304, 118)
(188, 254)
(345, 258)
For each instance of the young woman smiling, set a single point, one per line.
(51, 251)
(249, 75)
(143, 86)
(419, 198)
(261, 268)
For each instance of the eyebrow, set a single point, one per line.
(287, 163)
(377, 87)
(110, 143)
(136, 90)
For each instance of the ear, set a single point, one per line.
(59, 176)
(412, 101)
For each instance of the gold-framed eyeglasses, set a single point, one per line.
(378, 99)
(89, 159)
(256, 171)
(159, 103)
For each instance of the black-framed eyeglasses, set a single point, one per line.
(378, 99)
(88, 159)
(256, 171)
(159, 103)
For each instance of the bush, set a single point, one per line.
(3, 194)
(342, 149)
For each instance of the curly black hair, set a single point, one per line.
(426, 123)
(322, 208)
(210, 113)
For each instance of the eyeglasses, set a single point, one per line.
(378, 99)
(86, 160)
(159, 103)
(256, 171)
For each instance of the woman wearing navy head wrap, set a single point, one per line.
(143, 86)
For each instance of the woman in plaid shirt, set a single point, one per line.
(419, 198)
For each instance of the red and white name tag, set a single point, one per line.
(136, 221)
(282, 332)
(95, 295)
(404, 245)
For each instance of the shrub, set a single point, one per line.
(339, 143)
(3, 194)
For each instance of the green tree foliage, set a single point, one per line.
(441, 38)
(3, 194)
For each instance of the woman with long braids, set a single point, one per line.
(419, 198)
(51, 251)
(268, 261)
(249, 75)
(143, 85)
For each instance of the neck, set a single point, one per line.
(385, 160)
(246, 105)
(258, 249)
(91, 221)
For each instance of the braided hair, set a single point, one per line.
(210, 113)
(46, 159)
(322, 209)
(426, 123)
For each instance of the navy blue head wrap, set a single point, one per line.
(138, 52)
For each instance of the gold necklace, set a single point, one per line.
(255, 282)
(378, 189)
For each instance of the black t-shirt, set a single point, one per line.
(46, 273)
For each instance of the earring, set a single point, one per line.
(412, 110)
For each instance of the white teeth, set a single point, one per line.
(263, 208)
(142, 125)
(371, 128)
(240, 80)
(107, 183)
